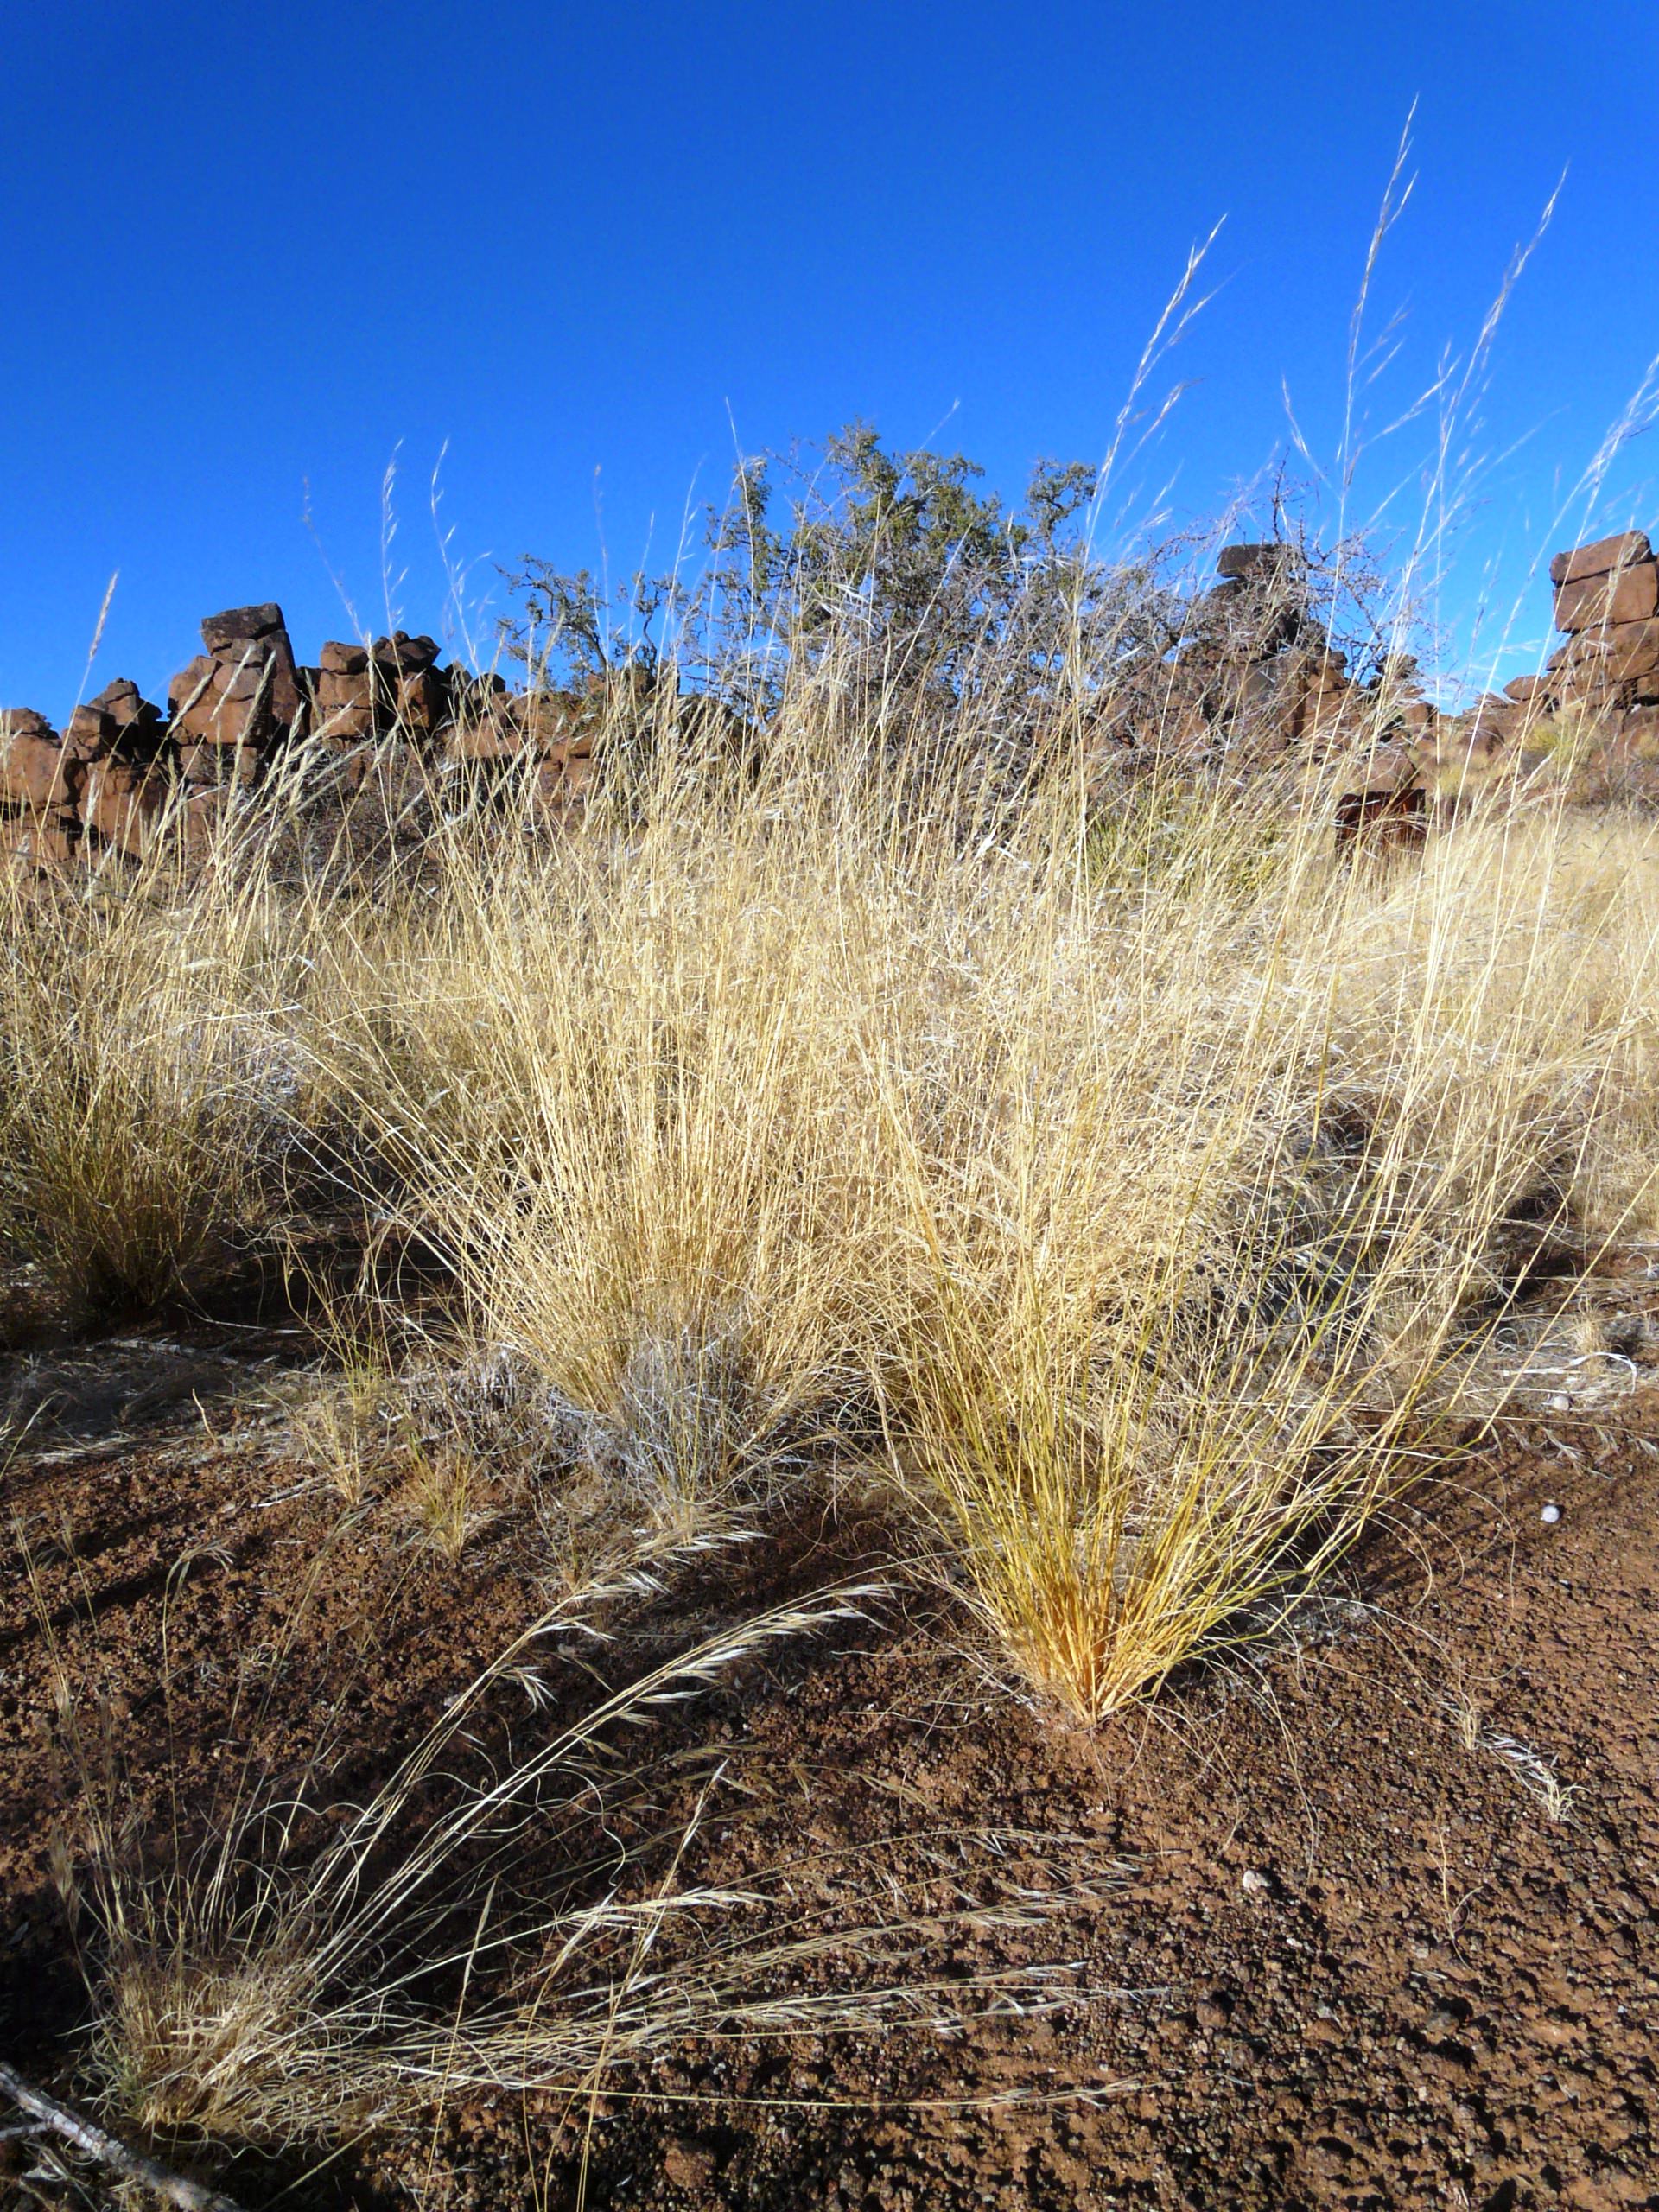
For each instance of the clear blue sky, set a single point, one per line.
(252, 251)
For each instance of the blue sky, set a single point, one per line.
(253, 253)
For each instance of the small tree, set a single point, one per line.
(900, 551)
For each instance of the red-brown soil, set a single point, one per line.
(1338, 1952)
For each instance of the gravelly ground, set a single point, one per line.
(1376, 1922)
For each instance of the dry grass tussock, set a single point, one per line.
(1123, 1187)
(1118, 1184)
(154, 1081)
(1126, 1213)
(487, 1920)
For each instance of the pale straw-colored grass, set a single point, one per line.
(154, 1081)
(1111, 1179)
(1131, 1208)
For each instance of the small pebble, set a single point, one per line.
(1561, 1403)
(1550, 1516)
(1253, 1883)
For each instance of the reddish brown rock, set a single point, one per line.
(189, 685)
(237, 626)
(91, 734)
(1618, 651)
(495, 737)
(118, 720)
(404, 655)
(35, 772)
(137, 718)
(483, 726)
(340, 659)
(1630, 595)
(1238, 562)
(47, 842)
(502, 726)
(349, 724)
(120, 803)
(245, 693)
(206, 762)
(252, 667)
(336, 689)
(345, 763)
(1527, 690)
(345, 703)
(1493, 718)
(421, 702)
(1600, 558)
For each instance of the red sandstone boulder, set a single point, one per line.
(245, 689)
(236, 626)
(39, 841)
(1238, 562)
(248, 695)
(482, 724)
(496, 725)
(1618, 651)
(118, 720)
(34, 770)
(129, 710)
(1628, 595)
(120, 803)
(405, 655)
(91, 735)
(420, 703)
(344, 695)
(1601, 558)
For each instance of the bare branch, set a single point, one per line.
(87, 2137)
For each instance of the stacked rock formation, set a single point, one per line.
(1255, 675)
(99, 786)
(1607, 601)
(554, 730)
(40, 790)
(1243, 671)
(103, 785)
(1595, 703)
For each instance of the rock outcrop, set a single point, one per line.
(243, 708)
(1242, 672)
(1607, 601)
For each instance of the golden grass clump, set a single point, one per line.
(1103, 1175)
(1116, 1179)
(153, 1077)
(1125, 1201)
